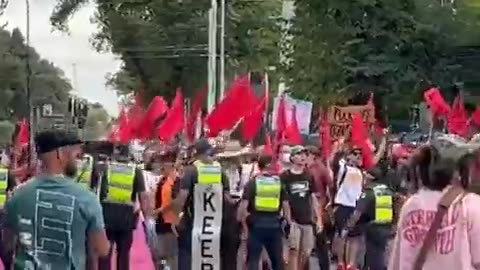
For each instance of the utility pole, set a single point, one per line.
(74, 78)
(222, 50)
(212, 56)
(28, 84)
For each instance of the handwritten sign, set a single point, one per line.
(207, 226)
(340, 118)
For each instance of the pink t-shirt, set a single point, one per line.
(458, 240)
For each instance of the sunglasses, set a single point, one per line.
(356, 153)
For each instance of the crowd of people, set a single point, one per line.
(280, 206)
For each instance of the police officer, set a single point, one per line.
(263, 198)
(373, 216)
(5, 256)
(122, 186)
(203, 171)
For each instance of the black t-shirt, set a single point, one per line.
(299, 188)
(259, 217)
(187, 182)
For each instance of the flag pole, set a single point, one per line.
(222, 50)
(212, 55)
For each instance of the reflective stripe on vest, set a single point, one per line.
(120, 183)
(209, 174)
(383, 205)
(267, 195)
(3, 185)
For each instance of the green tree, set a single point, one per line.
(163, 44)
(48, 84)
(393, 48)
(97, 123)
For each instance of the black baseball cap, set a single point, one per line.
(203, 147)
(50, 140)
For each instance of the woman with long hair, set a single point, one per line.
(454, 242)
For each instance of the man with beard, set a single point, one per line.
(51, 218)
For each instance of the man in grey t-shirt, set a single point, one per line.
(52, 219)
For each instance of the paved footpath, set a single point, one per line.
(139, 254)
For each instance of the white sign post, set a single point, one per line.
(207, 226)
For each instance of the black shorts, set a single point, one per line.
(341, 216)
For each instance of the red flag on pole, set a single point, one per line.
(292, 133)
(156, 109)
(23, 136)
(174, 121)
(192, 121)
(253, 122)
(236, 104)
(458, 118)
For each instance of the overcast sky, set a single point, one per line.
(65, 50)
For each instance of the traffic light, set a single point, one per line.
(81, 122)
(71, 105)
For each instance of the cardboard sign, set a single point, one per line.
(340, 118)
(207, 226)
(304, 112)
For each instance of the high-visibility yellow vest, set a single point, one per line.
(3, 185)
(87, 164)
(208, 174)
(267, 195)
(383, 204)
(120, 185)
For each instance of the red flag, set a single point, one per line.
(156, 109)
(475, 118)
(124, 130)
(199, 100)
(236, 104)
(135, 116)
(281, 121)
(268, 150)
(360, 140)
(174, 121)
(458, 118)
(292, 133)
(436, 102)
(253, 122)
(325, 137)
(23, 136)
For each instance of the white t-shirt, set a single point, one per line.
(151, 181)
(349, 185)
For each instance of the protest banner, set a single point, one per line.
(207, 225)
(303, 110)
(340, 118)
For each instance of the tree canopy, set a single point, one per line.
(163, 44)
(47, 82)
(338, 50)
(97, 123)
(343, 48)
